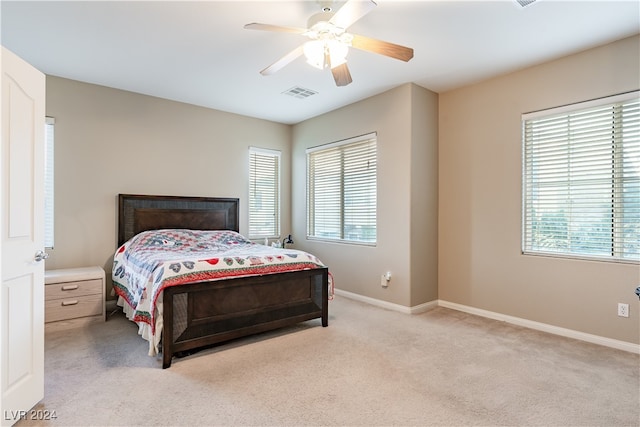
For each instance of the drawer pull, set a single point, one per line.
(69, 287)
(72, 302)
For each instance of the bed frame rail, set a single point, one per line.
(209, 313)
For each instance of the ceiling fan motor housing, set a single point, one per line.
(319, 17)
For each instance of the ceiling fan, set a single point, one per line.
(329, 42)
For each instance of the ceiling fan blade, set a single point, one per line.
(278, 28)
(280, 63)
(341, 75)
(381, 47)
(351, 12)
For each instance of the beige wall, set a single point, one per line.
(424, 196)
(480, 264)
(110, 141)
(401, 134)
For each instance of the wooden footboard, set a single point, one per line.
(202, 314)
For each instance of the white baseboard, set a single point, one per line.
(388, 305)
(556, 330)
(417, 309)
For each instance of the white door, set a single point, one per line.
(22, 237)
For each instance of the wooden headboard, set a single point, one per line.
(137, 213)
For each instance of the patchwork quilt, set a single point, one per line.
(154, 260)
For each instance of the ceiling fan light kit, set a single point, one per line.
(329, 44)
(325, 53)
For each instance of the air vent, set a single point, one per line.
(299, 92)
(525, 3)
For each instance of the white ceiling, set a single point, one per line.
(198, 52)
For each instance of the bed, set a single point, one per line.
(216, 307)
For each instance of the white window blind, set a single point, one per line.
(342, 190)
(48, 182)
(264, 193)
(581, 180)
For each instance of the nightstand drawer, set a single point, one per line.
(74, 296)
(73, 289)
(73, 307)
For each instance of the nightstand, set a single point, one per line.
(76, 295)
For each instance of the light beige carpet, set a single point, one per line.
(369, 367)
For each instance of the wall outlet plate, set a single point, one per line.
(623, 309)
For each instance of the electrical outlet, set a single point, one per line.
(384, 279)
(623, 310)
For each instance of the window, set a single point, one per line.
(581, 180)
(264, 193)
(48, 182)
(341, 190)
